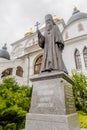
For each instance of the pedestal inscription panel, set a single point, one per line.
(69, 99)
(47, 97)
(51, 96)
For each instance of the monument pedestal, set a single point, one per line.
(52, 122)
(52, 106)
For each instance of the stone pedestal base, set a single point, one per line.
(52, 106)
(52, 122)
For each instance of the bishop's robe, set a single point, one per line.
(53, 44)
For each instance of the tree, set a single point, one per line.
(80, 90)
(14, 104)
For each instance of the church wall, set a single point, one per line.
(61, 26)
(31, 61)
(13, 64)
(19, 47)
(25, 71)
(17, 50)
(68, 55)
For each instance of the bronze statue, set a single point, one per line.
(52, 43)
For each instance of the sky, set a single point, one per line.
(18, 16)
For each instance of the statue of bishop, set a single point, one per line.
(52, 43)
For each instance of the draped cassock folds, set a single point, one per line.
(53, 44)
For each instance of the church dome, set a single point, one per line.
(4, 53)
(76, 15)
(56, 18)
(29, 33)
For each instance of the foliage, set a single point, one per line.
(1, 128)
(11, 126)
(83, 119)
(80, 90)
(14, 104)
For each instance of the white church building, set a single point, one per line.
(25, 59)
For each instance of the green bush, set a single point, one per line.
(1, 128)
(80, 90)
(14, 104)
(11, 126)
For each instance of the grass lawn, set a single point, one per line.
(83, 119)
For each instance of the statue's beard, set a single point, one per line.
(49, 27)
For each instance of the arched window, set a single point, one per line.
(37, 66)
(19, 71)
(6, 72)
(85, 56)
(77, 60)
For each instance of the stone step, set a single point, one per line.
(83, 129)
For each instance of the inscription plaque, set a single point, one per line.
(69, 99)
(45, 95)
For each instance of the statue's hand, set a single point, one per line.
(61, 46)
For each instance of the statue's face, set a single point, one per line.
(49, 23)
